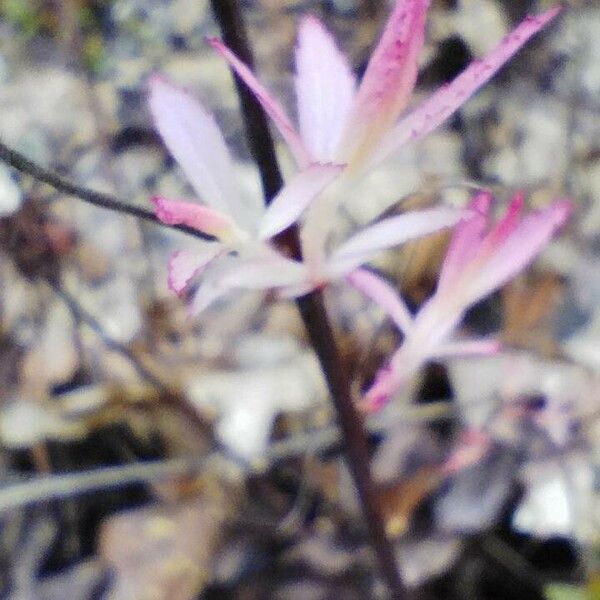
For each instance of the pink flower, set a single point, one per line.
(476, 264)
(359, 125)
(239, 224)
(264, 268)
(240, 256)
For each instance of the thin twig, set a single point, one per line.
(53, 487)
(167, 396)
(312, 309)
(100, 199)
(83, 316)
(45, 488)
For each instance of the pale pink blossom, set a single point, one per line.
(240, 255)
(264, 268)
(477, 263)
(239, 224)
(360, 125)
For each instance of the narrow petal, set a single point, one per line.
(449, 98)
(202, 218)
(390, 232)
(387, 381)
(289, 204)
(263, 272)
(389, 80)
(383, 294)
(263, 269)
(195, 141)
(269, 104)
(482, 347)
(299, 289)
(505, 226)
(185, 265)
(325, 89)
(517, 250)
(465, 241)
(208, 292)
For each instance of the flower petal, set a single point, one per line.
(387, 381)
(269, 104)
(465, 241)
(390, 232)
(389, 80)
(202, 218)
(517, 250)
(263, 269)
(325, 89)
(209, 291)
(261, 272)
(299, 289)
(291, 201)
(505, 226)
(449, 98)
(383, 294)
(486, 347)
(184, 265)
(195, 141)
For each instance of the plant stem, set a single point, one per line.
(24, 165)
(260, 142)
(312, 309)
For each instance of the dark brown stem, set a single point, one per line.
(312, 309)
(21, 163)
(261, 145)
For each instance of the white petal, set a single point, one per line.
(184, 265)
(390, 232)
(478, 347)
(291, 201)
(195, 141)
(383, 294)
(264, 271)
(325, 89)
(262, 268)
(208, 292)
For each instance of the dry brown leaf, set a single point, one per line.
(162, 552)
(530, 305)
(399, 501)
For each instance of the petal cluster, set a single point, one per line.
(359, 125)
(344, 127)
(238, 224)
(240, 256)
(480, 259)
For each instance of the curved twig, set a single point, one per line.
(44, 488)
(21, 163)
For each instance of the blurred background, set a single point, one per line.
(247, 495)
